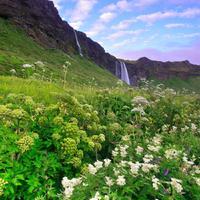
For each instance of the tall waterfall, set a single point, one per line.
(122, 72)
(78, 44)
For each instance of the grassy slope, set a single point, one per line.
(191, 84)
(17, 49)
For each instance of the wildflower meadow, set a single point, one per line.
(119, 143)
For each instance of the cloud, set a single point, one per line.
(187, 53)
(107, 17)
(100, 24)
(123, 24)
(153, 17)
(124, 5)
(111, 11)
(124, 42)
(81, 12)
(144, 3)
(125, 33)
(182, 36)
(177, 25)
(180, 2)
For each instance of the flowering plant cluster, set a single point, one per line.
(40, 142)
(114, 144)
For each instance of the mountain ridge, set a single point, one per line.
(41, 21)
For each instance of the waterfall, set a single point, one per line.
(78, 44)
(122, 72)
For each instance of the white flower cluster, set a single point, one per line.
(93, 169)
(172, 153)
(176, 184)
(121, 150)
(139, 103)
(155, 145)
(27, 66)
(156, 183)
(69, 186)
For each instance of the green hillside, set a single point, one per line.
(17, 49)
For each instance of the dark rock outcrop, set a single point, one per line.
(146, 68)
(41, 20)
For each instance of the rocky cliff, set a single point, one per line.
(41, 21)
(146, 68)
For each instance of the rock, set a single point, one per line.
(146, 68)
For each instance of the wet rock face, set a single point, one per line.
(41, 20)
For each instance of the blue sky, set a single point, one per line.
(130, 29)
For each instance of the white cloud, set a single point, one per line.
(81, 12)
(124, 5)
(107, 17)
(123, 24)
(100, 24)
(153, 17)
(125, 33)
(177, 25)
(144, 3)
(124, 42)
(182, 35)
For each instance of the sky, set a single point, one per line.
(130, 29)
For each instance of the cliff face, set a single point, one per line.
(41, 21)
(146, 68)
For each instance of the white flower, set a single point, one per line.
(13, 71)
(96, 197)
(115, 152)
(27, 66)
(154, 148)
(171, 153)
(139, 150)
(123, 151)
(135, 168)
(138, 110)
(121, 180)
(155, 182)
(69, 186)
(92, 169)
(98, 164)
(68, 192)
(71, 183)
(148, 158)
(109, 181)
(146, 167)
(39, 64)
(193, 127)
(107, 162)
(157, 140)
(176, 184)
(185, 159)
(140, 101)
(184, 129)
(197, 181)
